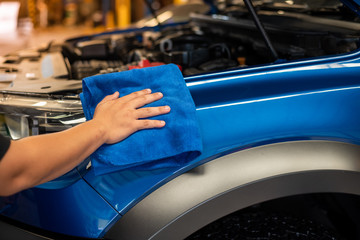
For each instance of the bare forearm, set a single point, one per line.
(61, 152)
(45, 157)
(38, 159)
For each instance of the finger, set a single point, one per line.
(151, 111)
(135, 95)
(146, 124)
(145, 99)
(113, 96)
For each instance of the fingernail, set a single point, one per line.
(148, 90)
(162, 123)
(167, 108)
(159, 94)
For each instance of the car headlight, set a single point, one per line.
(25, 115)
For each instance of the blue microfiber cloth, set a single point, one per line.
(171, 146)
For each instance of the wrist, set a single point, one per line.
(99, 131)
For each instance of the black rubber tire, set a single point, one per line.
(264, 226)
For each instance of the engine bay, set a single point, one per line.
(215, 42)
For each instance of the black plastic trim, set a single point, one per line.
(14, 230)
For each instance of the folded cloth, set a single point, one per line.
(171, 146)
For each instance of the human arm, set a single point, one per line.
(38, 159)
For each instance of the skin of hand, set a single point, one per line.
(37, 159)
(120, 117)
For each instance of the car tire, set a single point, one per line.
(264, 226)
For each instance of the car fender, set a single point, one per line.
(238, 180)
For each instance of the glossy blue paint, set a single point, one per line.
(76, 210)
(237, 109)
(313, 99)
(353, 5)
(63, 181)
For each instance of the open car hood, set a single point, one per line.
(354, 5)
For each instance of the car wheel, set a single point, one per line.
(264, 226)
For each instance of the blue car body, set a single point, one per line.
(311, 100)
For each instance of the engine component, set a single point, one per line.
(84, 68)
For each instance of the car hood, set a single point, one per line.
(354, 5)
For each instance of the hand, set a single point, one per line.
(118, 118)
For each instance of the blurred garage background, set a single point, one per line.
(40, 21)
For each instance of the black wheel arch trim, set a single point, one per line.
(238, 180)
